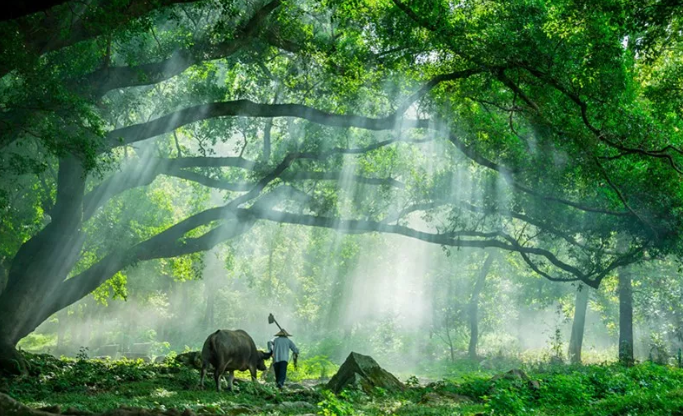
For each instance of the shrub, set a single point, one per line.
(332, 405)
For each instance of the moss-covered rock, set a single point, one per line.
(362, 372)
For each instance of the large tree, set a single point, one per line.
(523, 126)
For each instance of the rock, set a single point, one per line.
(301, 406)
(363, 372)
(292, 393)
(75, 412)
(517, 375)
(487, 364)
(288, 407)
(311, 383)
(296, 386)
(9, 406)
(496, 363)
(443, 397)
(237, 410)
(430, 397)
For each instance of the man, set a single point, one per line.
(280, 347)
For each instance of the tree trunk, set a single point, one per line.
(37, 284)
(210, 316)
(11, 362)
(266, 140)
(268, 129)
(86, 333)
(625, 317)
(42, 264)
(61, 332)
(212, 277)
(474, 307)
(3, 275)
(74, 338)
(578, 325)
(451, 348)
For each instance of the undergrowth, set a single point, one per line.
(600, 390)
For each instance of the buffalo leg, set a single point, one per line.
(231, 378)
(252, 371)
(217, 376)
(201, 379)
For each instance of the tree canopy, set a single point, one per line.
(137, 130)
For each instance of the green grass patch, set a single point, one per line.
(600, 390)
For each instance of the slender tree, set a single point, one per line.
(473, 307)
(625, 317)
(578, 324)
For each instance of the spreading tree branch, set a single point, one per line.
(246, 108)
(58, 29)
(108, 78)
(480, 240)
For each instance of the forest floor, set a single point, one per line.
(78, 386)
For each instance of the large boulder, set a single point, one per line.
(362, 372)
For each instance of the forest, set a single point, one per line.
(462, 207)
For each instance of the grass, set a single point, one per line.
(600, 390)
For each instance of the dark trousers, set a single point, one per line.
(280, 372)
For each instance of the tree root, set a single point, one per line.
(12, 363)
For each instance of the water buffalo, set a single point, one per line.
(228, 351)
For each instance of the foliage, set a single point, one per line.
(331, 405)
(610, 390)
(317, 367)
(173, 168)
(557, 131)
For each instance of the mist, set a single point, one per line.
(482, 198)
